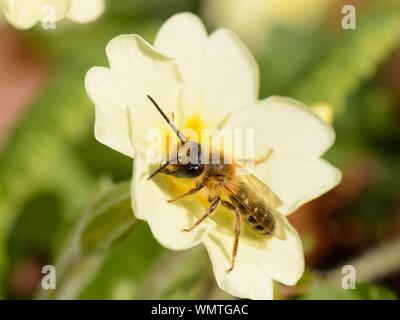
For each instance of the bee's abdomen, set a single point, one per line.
(262, 223)
(255, 213)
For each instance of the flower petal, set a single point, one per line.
(247, 279)
(284, 125)
(230, 13)
(25, 14)
(283, 260)
(124, 115)
(297, 180)
(166, 220)
(184, 37)
(256, 263)
(85, 11)
(231, 77)
(219, 72)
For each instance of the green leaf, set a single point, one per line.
(353, 58)
(111, 218)
(38, 155)
(106, 221)
(67, 181)
(128, 263)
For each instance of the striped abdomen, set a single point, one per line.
(254, 210)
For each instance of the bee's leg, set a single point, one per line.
(237, 229)
(210, 210)
(197, 188)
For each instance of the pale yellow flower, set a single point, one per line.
(24, 14)
(324, 111)
(210, 81)
(253, 20)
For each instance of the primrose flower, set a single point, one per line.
(24, 14)
(210, 82)
(253, 20)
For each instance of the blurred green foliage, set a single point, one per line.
(52, 165)
(324, 291)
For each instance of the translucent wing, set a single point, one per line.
(261, 190)
(257, 191)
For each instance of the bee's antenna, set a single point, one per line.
(180, 135)
(161, 168)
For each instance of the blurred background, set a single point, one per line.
(57, 184)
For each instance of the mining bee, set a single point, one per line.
(245, 195)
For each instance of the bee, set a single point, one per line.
(247, 197)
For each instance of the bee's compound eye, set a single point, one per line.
(194, 167)
(189, 171)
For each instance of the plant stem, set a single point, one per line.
(373, 265)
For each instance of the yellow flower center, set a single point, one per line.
(178, 186)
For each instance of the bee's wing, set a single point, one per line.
(260, 191)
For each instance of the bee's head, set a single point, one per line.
(188, 164)
(188, 161)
